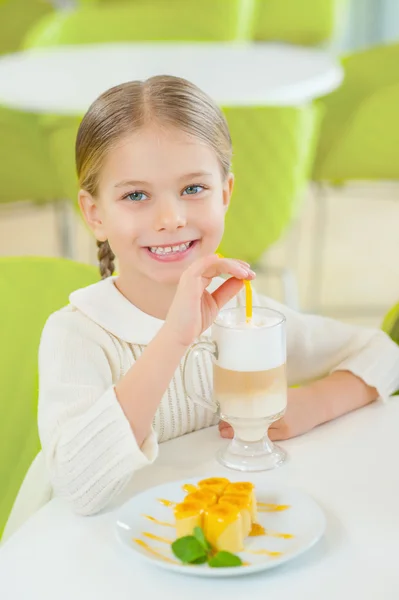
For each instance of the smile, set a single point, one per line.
(164, 250)
(172, 252)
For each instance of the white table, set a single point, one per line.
(65, 80)
(349, 467)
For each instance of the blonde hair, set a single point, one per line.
(126, 108)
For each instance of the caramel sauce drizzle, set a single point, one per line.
(154, 552)
(264, 552)
(154, 520)
(157, 538)
(189, 488)
(166, 502)
(266, 507)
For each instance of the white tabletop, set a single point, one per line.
(65, 80)
(348, 466)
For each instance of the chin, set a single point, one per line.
(168, 278)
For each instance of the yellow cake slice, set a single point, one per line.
(244, 487)
(243, 503)
(215, 484)
(188, 515)
(223, 527)
(205, 496)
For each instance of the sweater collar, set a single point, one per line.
(104, 304)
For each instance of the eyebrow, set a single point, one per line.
(132, 182)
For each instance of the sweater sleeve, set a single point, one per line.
(317, 346)
(90, 450)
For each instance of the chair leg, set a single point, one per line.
(318, 251)
(66, 226)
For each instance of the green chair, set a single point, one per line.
(359, 136)
(306, 22)
(27, 171)
(391, 326)
(391, 323)
(16, 18)
(141, 20)
(31, 289)
(273, 155)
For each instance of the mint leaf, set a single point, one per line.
(199, 561)
(200, 537)
(188, 549)
(225, 559)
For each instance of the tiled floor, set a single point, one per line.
(361, 266)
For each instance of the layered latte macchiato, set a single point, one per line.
(249, 377)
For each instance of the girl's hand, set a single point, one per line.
(300, 417)
(194, 309)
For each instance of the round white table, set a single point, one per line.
(348, 466)
(65, 80)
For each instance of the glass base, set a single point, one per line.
(261, 455)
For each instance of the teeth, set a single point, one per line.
(168, 249)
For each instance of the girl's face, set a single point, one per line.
(161, 203)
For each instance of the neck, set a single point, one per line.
(149, 296)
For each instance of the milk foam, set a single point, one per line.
(255, 346)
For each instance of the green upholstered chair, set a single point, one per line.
(359, 136)
(27, 171)
(391, 326)
(143, 20)
(305, 22)
(272, 160)
(16, 18)
(391, 323)
(31, 289)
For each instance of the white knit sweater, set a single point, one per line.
(89, 450)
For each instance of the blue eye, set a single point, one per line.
(191, 190)
(136, 196)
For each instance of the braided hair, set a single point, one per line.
(106, 259)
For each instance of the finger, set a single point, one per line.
(229, 266)
(227, 432)
(223, 425)
(242, 262)
(277, 433)
(274, 435)
(212, 266)
(227, 291)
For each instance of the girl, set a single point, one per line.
(153, 160)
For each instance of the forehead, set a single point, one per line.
(158, 152)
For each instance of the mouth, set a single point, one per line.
(171, 253)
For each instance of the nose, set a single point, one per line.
(169, 215)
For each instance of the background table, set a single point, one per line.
(348, 466)
(65, 80)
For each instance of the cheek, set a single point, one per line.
(213, 221)
(123, 223)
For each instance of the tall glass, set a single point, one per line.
(249, 383)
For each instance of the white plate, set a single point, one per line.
(304, 520)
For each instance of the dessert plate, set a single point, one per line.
(292, 520)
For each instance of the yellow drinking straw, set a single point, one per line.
(248, 296)
(248, 300)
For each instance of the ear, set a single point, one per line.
(91, 215)
(228, 190)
